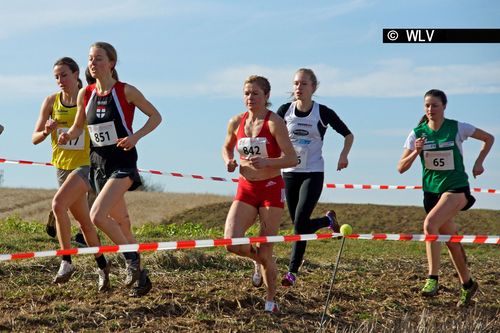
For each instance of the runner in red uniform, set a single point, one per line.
(261, 138)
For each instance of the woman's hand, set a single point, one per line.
(126, 143)
(419, 144)
(231, 165)
(258, 162)
(50, 125)
(63, 138)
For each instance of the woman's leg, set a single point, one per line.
(240, 217)
(311, 186)
(111, 194)
(456, 252)
(441, 215)
(270, 218)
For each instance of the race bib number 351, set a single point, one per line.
(439, 160)
(103, 134)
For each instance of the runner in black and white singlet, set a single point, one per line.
(438, 142)
(108, 106)
(307, 122)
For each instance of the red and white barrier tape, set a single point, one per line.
(235, 180)
(191, 244)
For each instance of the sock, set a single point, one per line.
(434, 277)
(468, 284)
(67, 258)
(101, 262)
(131, 255)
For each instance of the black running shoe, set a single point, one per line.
(50, 228)
(143, 285)
(80, 239)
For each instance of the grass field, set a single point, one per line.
(376, 289)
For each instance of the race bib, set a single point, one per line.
(439, 160)
(301, 156)
(103, 134)
(248, 147)
(75, 144)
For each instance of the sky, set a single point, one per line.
(190, 59)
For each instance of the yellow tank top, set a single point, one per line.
(76, 152)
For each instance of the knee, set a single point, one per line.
(265, 254)
(98, 218)
(429, 227)
(58, 207)
(236, 249)
(299, 226)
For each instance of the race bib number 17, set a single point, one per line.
(75, 144)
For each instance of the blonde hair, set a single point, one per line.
(262, 83)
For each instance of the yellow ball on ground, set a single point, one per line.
(346, 229)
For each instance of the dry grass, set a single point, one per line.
(377, 286)
(144, 207)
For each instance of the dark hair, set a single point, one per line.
(72, 65)
(263, 84)
(111, 53)
(309, 72)
(88, 77)
(434, 93)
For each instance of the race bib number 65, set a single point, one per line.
(103, 134)
(439, 160)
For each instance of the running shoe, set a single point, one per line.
(271, 307)
(104, 284)
(65, 272)
(80, 239)
(50, 228)
(334, 225)
(431, 288)
(132, 266)
(257, 279)
(288, 280)
(467, 294)
(143, 285)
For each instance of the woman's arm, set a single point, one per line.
(134, 96)
(230, 143)
(44, 125)
(343, 158)
(77, 128)
(409, 155)
(488, 140)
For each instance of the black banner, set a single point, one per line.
(430, 35)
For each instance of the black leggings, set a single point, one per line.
(303, 190)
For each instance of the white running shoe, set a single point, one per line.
(257, 279)
(271, 307)
(65, 272)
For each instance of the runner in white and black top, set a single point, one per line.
(307, 122)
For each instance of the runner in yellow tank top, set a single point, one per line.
(76, 153)
(72, 161)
